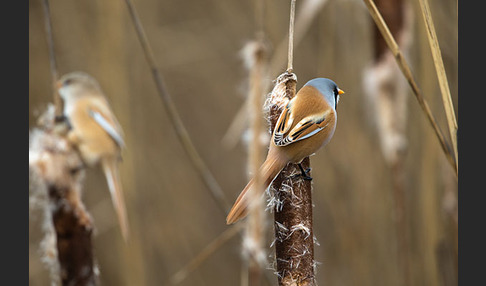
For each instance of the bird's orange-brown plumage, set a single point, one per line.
(96, 133)
(307, 114)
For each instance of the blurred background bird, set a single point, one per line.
(307, 123)
(95, 132)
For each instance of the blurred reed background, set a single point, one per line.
(197, 46)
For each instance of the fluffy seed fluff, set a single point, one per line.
(278, 97)
(55, 171)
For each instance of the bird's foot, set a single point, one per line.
(304, 173)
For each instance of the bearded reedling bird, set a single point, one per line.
(307, 123)
(95, 132)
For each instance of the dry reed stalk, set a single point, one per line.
(254, 54)
(52, 58)
(292, 204)
(303, 20)
(290, 58)
(181, 132)
(441, 75)
(292, 198)
(405, 68)
(57, 174)
(386, 93)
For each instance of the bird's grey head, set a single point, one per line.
(328, 89)
(77, 84)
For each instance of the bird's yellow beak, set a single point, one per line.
(340, 91)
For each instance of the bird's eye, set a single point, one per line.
(67, 82)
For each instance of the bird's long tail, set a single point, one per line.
(268, 171)
(110, 168)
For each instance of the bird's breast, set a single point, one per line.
(92, 140)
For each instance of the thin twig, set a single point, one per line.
(441, 74)
(291, 37)
(405, 68)
(174, 116)
(52, 57)
(307, 13)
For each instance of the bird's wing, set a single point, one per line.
(284, 122)
(307, 127)
(108, 122)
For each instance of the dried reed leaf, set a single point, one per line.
(441, 74)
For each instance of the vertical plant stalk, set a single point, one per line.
(386, 91)
(308, 11)
(58, 175)
(441, 74)
(74, 232)
(294, 238)
(254, 56)
(291, 37)
(405, 68)
(292, 205)
(292, 201)
(52, 58)
(254, 236)
(180, 130)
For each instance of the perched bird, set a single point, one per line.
(95, 132)
(307, 123)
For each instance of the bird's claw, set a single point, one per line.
(304, 174)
